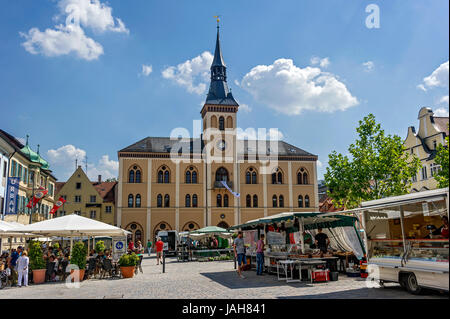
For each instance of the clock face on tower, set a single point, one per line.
(221, 145)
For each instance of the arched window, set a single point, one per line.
(300, 201)
(166, 177)
(219, 200)
(163, 175)
(250, 176)
(188, 200)
(159, 200)
(131, 176)
(221, 174)
(166, 200)
(280, 178)
(221, 123)
(302, 176)
(194, 177)
(214, 121)
(277, 176)
(306, 201)
(253, 177)
(138, 200)
(188, 177)
(229, 122)
(255, 201)
(194, 201)
(130, 200)
(281, 201)
(274, 201)
(248, 201)
(138, 176)
(225, 200)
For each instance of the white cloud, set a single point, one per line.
(245, 108)
(323, 63)
(146, 70)
(91, 14)
(259, 134)
(444, 100)
(289, 89)
(319, 164)
(192, 74)
(438, 78)
(63, 159)
(441, 112)
(71, 37)
(368, 66)
(61, 41)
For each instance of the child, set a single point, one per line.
(22, 268)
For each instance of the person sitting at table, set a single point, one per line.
(322, 241)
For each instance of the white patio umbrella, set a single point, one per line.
(73, 226)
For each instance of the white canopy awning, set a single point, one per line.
(73, 226)
(12, 229)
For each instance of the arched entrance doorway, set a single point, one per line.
(161, 226)
(137, 232)
(223, 225)
(190, 226)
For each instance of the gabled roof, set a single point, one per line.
(441, 124)
(106, 190)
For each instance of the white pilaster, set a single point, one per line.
(119, 194)
(264, 178)
(177, 196)
(149, 199)
(291, 202)
(205, 193)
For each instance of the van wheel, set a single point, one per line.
(412, 285)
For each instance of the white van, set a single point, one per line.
(170, 240)
(404, 242)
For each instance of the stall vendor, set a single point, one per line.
(322, 240)
(443, 230)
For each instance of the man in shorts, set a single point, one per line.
(239, 253)
(159, 249)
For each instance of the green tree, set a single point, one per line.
(377, 166)
(113, 179)
(442, 159)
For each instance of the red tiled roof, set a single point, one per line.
(58, 186)
(327, 206)
(106, 190)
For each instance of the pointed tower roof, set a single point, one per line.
(219, 93)
(32, 155)
(218, 59)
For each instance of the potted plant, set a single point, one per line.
(127, 264)
(37, 262)
(100, 247)
(55, 247)
(78, 257)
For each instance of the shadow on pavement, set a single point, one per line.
(390, 292)
(231, 280)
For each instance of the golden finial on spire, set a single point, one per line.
(218, 19)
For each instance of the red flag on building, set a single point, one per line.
(37, 197)
(57, 205)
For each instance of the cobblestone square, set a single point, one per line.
(202, 280)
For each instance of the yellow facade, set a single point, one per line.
(423, 144)
(84, 198)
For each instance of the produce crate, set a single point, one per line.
(321, 275)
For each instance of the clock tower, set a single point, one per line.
(219, 135)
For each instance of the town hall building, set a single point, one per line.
(219, 181)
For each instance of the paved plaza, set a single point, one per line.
(200, 280)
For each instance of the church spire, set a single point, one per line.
(219, 92)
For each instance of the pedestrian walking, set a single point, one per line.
(239, 253)
(149, 247)
(22, 268)
(159, 248)
(260, 256)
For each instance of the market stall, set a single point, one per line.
(289, 238)
(201, 245)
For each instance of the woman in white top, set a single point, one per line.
(22, 269)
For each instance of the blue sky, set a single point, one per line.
(87, 94)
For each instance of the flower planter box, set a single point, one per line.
(39, 276)
(127, 272)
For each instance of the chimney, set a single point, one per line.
(99, 179)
